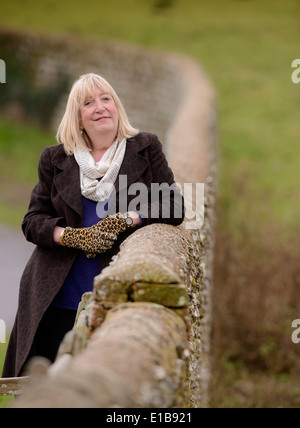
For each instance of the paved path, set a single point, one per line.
(14, 254)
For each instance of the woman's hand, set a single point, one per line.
(92, 240)
(98, 238)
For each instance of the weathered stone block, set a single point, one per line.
(170, 295)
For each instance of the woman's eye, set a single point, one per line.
(87, 103)
(106, 99)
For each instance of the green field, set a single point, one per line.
(246, 48)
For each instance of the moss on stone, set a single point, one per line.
(170, 295)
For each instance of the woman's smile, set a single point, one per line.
(102, 118)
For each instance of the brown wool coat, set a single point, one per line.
(57, 198)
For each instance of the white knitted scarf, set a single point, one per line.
(108, 168)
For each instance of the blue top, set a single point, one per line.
(81, 276)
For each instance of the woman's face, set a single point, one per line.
(99, 115)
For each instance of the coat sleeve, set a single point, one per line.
(166, 203)
(40, 220)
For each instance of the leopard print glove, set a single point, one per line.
(95, 239)
(89, 239)
(115, 223)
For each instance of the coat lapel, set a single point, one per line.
(67, 181)
(134, 163)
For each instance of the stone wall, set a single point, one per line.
(159, 266)
(49, 64)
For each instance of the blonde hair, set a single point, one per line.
(69, 133)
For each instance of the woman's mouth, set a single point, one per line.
(102, 118)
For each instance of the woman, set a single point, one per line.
(73, 216)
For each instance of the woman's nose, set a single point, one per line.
(99, 106)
